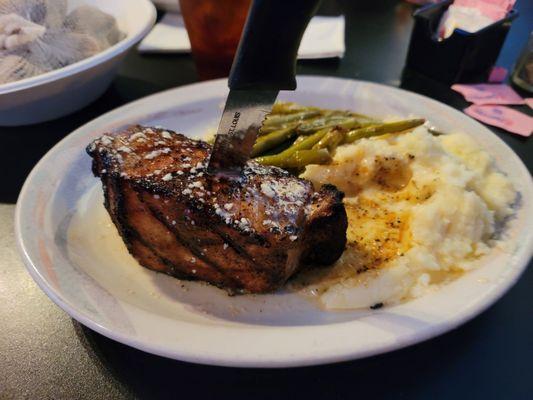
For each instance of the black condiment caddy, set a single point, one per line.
(462, 57)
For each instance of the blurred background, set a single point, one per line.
(45, 354)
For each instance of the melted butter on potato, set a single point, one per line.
(420, 210)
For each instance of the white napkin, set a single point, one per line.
(323, 38)
(167, 36)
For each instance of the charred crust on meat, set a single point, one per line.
(245, 235)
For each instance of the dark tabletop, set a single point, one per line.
(44, 354)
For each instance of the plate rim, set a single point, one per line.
(450, 324)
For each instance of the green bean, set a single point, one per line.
(271, 140)
(388, 127)
(347, 113)
(310, 125)
(279, 119)
(311, 119)
(362, 117)
(320, 122)
(266, 129)
(299, 139)
(289, 107)
(331, 122)
(301, 158)
(332, 140)
(273, 123)
(305, 144)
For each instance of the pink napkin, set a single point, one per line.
(502, 117)
(488, 93)
(529, 102)
(497, 74)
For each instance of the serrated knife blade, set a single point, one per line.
(243, 115)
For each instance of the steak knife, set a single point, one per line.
(264, 64)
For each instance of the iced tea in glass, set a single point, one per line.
(214, 28)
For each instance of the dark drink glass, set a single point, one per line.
(214, 28)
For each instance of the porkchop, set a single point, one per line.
(246, 234)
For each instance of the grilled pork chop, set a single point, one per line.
(246, 235)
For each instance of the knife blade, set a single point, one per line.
(243, 115)
(264, 64)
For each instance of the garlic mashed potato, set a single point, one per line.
(420, 209)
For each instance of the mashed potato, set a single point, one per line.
(420, 207)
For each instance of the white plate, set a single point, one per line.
(79, 264)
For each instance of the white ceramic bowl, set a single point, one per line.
(65, 90)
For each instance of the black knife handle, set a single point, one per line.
(266, 56)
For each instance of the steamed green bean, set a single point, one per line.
(388, 127)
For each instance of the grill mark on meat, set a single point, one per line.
(130, 235)
(128, 232)
(116, 206)
(241, 251)
(199, 265)
(147, 255)
(146, 198)
(114, 203)
(193, 248)
(234, 246)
